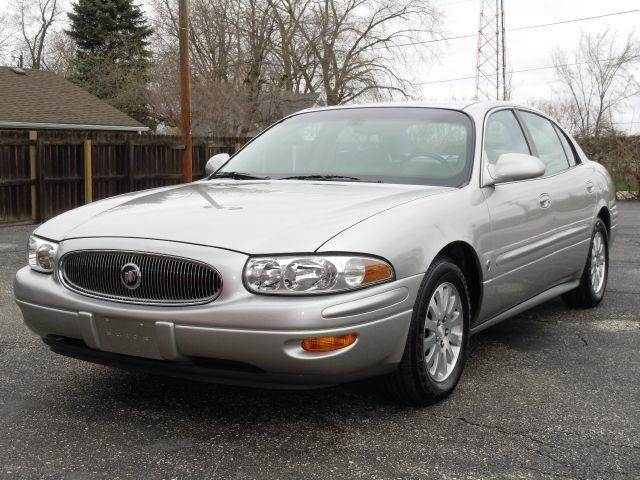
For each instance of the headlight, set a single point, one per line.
(42, 254)
(300, 275)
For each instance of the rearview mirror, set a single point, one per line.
(512, 167)
(215, 162)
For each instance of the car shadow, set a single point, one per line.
(116, 391)
(532, 330)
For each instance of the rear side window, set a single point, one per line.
(503, 135)
(547, 142)
(568, 150)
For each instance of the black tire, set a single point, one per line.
(412, 383)
(584, 295)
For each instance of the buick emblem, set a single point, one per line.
(130, 276)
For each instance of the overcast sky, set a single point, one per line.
(526, 48)
(529, 48)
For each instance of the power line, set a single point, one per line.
(524, 70)
(474, 35)
(515, 29)
(455, 2)
(562, 22)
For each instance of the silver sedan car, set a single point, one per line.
(339, 244)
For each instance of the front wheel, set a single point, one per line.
(590, 291)
(436, 347)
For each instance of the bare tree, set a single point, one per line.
(597, 79)
(256, 27)
(218, 61)
(231, 50)
(213, 35)
(354, 42)
(217, 108)
(294, 57)
(59, 53)
(279, 54)
(6, 34)
(561, 109)
(35, 20)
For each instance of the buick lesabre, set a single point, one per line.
(341, 243)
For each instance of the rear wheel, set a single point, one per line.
(593, 282)
(436, 347)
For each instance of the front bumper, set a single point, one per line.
(260, 333)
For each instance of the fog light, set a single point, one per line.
(328, 344)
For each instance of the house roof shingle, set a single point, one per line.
(38, 99)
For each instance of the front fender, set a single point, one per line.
(411, 235)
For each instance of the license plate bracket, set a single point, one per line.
(128, 337)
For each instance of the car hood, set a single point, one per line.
(245, 216)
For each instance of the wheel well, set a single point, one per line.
(465, 257)
(605, 216)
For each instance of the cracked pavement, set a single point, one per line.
(551, 393)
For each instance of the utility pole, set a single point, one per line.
(491, 60)
(185, 89)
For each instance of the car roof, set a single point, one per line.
(474, 105)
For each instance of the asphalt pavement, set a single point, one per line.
(552, 393)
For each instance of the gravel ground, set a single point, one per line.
(551, 393)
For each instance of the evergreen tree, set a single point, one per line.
(112, 56)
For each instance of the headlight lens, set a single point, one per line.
(42, 254)
(296, 275)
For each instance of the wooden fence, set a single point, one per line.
(44, 174)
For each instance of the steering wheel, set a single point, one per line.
(439, 158)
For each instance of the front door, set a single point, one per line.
(521, 220)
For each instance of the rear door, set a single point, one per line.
(521, 221)
(571, 196)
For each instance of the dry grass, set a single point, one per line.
(620, 154)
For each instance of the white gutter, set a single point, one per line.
(70, 126)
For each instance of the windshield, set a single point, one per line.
(422, 146)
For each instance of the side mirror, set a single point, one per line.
(215, 162)
(512, 167)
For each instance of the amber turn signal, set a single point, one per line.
(376, 271)
(328, 344)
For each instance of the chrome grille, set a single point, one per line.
(165, 280)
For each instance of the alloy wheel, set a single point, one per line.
(597, 268)
(443, 330)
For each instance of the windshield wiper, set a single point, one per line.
(238, 176)
(321, 177)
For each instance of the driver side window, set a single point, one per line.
(503, 135)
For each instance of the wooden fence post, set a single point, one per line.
(131, 165)
(40, 181)
(33, 174)
(88, 172)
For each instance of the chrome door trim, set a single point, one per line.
(520, 267)
(544, 242)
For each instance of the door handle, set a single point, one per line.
(545, 201)
(590, 186)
